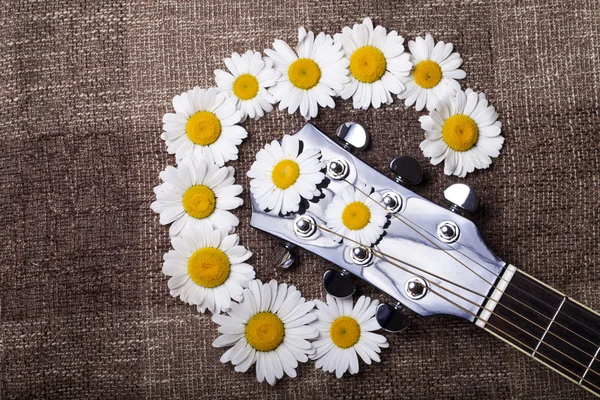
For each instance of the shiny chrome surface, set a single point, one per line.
(462, 197)
(283, 255)
(338, 168)
(353, 135)
(338, 284)
(391, 318)
(411, 237)
(448, 232)
(408, 170)
(305, 226)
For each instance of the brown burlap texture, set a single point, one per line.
(85, 309)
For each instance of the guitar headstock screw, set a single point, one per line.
(305, 226)
(416, 288)
(361, 255)
(392, 201)
(448, 232)
(338, 168)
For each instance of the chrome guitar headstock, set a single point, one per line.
(430, 259)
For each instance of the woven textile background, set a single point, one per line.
(85, 310)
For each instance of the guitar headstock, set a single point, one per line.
(428, 258)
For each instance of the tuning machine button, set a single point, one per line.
(462, 197)
(408, 170)
(338, 284)
(353, 135)
(283, 255)
(392, 318)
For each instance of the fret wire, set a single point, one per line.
(520, 342)
(548, 328)
(589, 366)
(468, 300)
(397, 216)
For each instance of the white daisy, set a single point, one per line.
(358, 217)
(377, 61)
(283, 175)
(434, 74)
(204, 125)
(197, 193)
(247, 81)
(207, 268)
(463, 130)
(269, 328)
(344, 333)
(311, 75)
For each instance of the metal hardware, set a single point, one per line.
(392, 318)
(415, 288)
(361, 255)
(283, 255)
(462, 197)
(305, 226)
(338, 168)
(353, 135)
(448, 231)
(408, 170)
(392, 201)
(417, 244)
(338, 284)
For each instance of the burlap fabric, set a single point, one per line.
(85, 309)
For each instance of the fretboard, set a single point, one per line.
(548, 326)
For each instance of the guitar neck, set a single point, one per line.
(545, 324)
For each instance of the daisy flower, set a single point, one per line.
(247, 81)
(204, 125)
(353, 215)
(269, 328)
(434, 74)
(344, 333)
(283, 174)
(463, 130)
(207, 268)
(311, 75)
(197, 193)
(377, 61)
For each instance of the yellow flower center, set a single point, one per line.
(460, 132)
(356, 215)
(344, 332)
(428, 74)
(203, 128)
(304, 73)
(199, 201)
(285, 173)
(367, 64)
(245, 87)
(209, 267)
(264, 331)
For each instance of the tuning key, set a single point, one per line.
(407, 169)
(338, 284)
(283, 255)
(392, 318)
(462, 197)
(353, 135)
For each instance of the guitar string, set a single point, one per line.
(580, 380)
(460, 296)
(475, 273)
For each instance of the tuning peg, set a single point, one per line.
(353, 135)
(392, 318)
(407, 169)
(338, 284)
(462, 197)
(283, 255)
